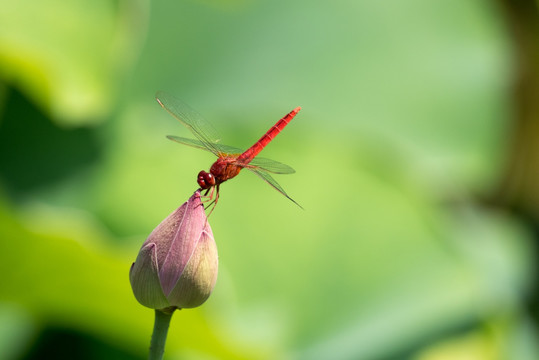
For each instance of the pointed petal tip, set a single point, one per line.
(196, 198)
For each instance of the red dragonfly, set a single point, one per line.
(230, 159)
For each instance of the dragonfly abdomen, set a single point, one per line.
(254, 150)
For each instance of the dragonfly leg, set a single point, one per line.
(210, 196)
(207, 198)
(214, 202)
(210, 200)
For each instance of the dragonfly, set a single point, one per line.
(230, 160)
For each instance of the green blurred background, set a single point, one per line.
(417, 162)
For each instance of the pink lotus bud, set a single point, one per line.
(177, 264)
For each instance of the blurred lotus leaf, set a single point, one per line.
(68, 56)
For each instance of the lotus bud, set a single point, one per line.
(177, 265)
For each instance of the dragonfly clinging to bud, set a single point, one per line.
(230, 161)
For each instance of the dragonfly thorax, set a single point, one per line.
(223, 169)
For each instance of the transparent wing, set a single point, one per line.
(202, 129)
(267, 178)
(271, 166)
(219, 148)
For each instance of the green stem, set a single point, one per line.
(160, 330)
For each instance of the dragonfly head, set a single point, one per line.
(205, 180)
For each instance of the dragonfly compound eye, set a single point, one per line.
(205, 180)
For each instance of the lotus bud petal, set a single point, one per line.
(177, 264)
